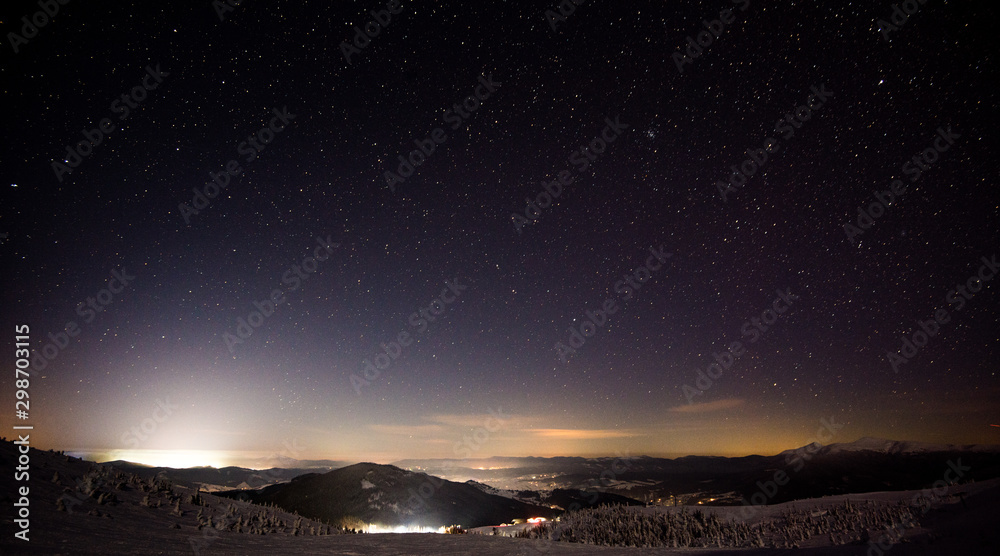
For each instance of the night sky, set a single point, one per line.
(463, 272)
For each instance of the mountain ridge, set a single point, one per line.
(372, 493)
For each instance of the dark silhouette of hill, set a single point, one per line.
(831, 471)
(865, 465)
(390, 496)
(79, 507)
(82, 508)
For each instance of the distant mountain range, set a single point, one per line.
(211, 478)
(902, 447)
(865, 465)
(96, 509)
(498, 490)
(515, 463)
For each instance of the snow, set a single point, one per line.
(898, 447)
(962, 522)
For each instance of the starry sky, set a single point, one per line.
(461, 280)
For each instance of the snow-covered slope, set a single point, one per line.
(124, 526)
(886, 446)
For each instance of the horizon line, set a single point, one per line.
(217, 459)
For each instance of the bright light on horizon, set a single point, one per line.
(376, 528)
(177, 459)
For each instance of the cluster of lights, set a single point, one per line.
(376, 528)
